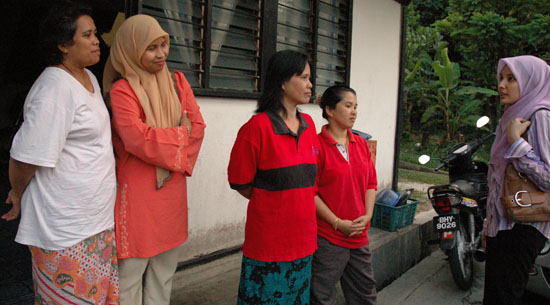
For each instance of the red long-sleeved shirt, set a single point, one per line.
(151, 221)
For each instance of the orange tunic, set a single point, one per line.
(151, 221)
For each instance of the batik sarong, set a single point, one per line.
(85, 273)
(275, 283)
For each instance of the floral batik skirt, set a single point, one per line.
(85, 273)
(275, 283)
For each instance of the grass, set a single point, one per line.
(423, 177)
(411, 149)
(423, 201)
(406, 176)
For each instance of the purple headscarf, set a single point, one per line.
(533, 77)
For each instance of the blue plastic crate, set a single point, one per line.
(391, 218)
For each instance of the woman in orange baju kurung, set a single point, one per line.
(157, 134)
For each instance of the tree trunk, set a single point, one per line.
(448, 125)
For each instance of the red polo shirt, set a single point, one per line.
(281, 168)
(343, 185)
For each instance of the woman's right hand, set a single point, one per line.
(515, 129)
(14, 199)
(185, 121)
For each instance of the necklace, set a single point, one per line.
(340, 139)
(82, 79)
(69, 70)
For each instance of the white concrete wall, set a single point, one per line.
(217, 213)
(375, 76)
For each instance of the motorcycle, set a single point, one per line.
(460, 206)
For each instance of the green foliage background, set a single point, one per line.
(476, 34)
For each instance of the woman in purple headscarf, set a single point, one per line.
(524, 89)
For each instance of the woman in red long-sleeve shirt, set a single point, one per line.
(157, 133)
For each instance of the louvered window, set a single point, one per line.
(319, 28)
(235, 50)
(184, 22)
(221, 45)
(222, 54)
(295, 26)
(333, 43)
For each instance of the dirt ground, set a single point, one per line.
(418, 194)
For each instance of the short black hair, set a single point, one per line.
(59, 28)
(282, 66)
(332, 96)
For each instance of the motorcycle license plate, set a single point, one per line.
(445, 223)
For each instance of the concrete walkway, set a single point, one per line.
(394, 253)
(430, 282)
(16, 286)
(216, 282)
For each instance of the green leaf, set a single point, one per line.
(470, 119)
(468, 106)
(445, 74)
(470, 90)
(429, 113)
(456, 74)
(413, 72)
(448, 72)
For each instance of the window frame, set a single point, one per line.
(268, 42)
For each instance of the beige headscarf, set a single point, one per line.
(155, 91)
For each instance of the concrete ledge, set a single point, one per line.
(396, 252)
(216, 282)
(393, 253)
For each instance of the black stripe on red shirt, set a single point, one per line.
(286, 178)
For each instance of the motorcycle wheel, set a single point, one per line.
(461, 259)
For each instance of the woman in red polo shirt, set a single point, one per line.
(274, 165)
(346, 191)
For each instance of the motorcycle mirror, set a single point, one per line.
(423, 159)
(461, 149)
(482, 121)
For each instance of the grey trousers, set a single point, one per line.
(352, 267)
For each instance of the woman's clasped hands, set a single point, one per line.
(353, 227)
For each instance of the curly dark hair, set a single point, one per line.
(332, 96)
(282, 66)
(59, 27)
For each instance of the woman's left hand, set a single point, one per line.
(515, 129)
(359, 224)
(186, 121)
(14, 199)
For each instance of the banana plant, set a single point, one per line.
(452, 105)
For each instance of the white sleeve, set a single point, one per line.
(48, 115)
